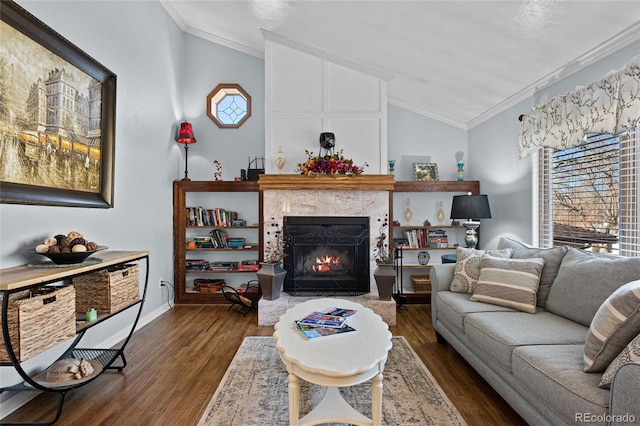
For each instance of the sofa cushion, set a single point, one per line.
(467, 267)
(453, 307)
(499, 333)
(584, 282)
(552, 260)
(509, 282)
(631, 353)
(615, 324)
(554, 374)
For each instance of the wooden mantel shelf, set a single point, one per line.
(326, 182)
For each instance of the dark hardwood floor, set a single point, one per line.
(176, 362)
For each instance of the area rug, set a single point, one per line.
(253, 391)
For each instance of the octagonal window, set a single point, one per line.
(229, 106)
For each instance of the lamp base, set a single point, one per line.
(471, 237)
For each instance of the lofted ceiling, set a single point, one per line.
(459, 62)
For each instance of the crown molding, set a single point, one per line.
(404, 105)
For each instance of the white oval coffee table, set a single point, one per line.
(334, 361)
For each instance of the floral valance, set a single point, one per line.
(610, 105)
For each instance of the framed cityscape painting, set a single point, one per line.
(57, 117)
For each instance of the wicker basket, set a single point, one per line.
(421, 283)
(204, 285)
(38, 320)
(108, 290)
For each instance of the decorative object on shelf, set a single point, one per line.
(426, 223)
(408, 214)
(424, 257)
(327, 142)
(470, 207)
(425, 171)
(460, 170)
(334, 164)
(440, 215)
(255, 169)
(280, 160)
(218, 174)
(228, 105)
(186, 137)
(392, 166)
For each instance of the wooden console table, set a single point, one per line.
(23, 277)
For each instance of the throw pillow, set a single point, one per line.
(584, 282)
(631, 353)
(614, 325)
(509, 282)
(467, 268)
(552, 259)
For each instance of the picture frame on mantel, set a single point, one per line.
(57, 119)
(425, 172)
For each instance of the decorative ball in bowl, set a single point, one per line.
(71, 258)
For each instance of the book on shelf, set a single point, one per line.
(199, 216)
(197, 265)
(312, 333)
(236, 242)
(249, 265)
(223, 266)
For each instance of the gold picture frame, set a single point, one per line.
(425, 171)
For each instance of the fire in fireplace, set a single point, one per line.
(326, 255)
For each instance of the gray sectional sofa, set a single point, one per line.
(536, 361)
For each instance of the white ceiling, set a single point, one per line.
(459, 62)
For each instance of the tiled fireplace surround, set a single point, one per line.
(297, 195)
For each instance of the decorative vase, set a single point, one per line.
(440, 216)
(271, 277)
(408, 214)
(385, 276)
(423, 257)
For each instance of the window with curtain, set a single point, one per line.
(589, 195)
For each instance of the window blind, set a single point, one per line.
(588, 195)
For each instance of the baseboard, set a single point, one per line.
(18, 399)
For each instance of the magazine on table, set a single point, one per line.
(340, 312)
(311, 332)
(319, 319)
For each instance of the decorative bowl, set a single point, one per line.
(70, 258)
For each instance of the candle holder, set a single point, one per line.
(460, 170)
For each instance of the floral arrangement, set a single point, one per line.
(274, 246)
(334, 164)
(382, 253)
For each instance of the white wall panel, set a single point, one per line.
(352, 91)
(296, 80)
(360, 139)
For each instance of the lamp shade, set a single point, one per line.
(470, 207)
(186, 133)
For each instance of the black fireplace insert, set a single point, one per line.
(326, 255)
